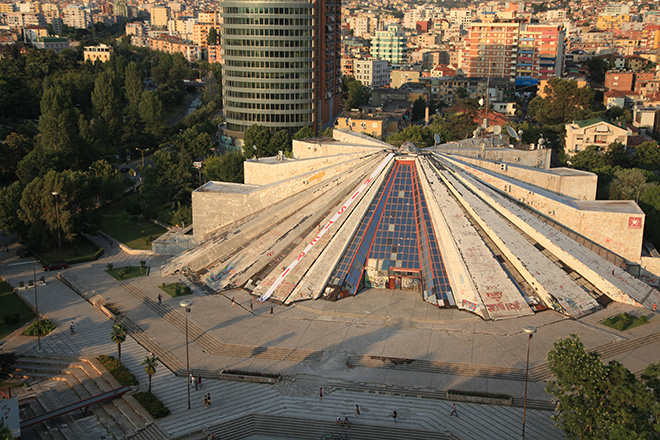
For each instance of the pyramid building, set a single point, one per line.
(482, 228)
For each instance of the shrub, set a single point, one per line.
(109, 266)
(154, 406)
(121, 373)
(41, 327)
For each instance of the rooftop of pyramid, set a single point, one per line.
(353, 213)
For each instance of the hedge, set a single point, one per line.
(154, 406)
(45, 325)
(121, 373)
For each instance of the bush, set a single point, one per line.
(109, 266)
(121, 373)
(41, 327)
(11, 319)
(154, 406)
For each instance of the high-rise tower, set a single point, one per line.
(281, 64)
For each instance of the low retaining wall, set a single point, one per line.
(457, 396)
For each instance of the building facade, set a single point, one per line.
(390, 45)
(599, 132)
(372, 73)
(282, 65)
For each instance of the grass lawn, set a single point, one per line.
(128, 272)
(175, 289)
(624, 321)
(132, 230)
(11, 304)
(81, 249)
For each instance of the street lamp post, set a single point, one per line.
(186, 306)
(57, 214)
(530, 331)
(141, 151)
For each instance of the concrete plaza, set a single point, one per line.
(385, 350)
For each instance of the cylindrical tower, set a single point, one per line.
(268, 52)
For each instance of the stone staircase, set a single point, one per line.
(57, 381)
(307, 429)
(212, 345)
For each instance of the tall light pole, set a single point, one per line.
(36, 298)
(530, 331)
(186, 306)
(141, 151)
(57, 214)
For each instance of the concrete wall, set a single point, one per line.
(576, 184)
(352, 137)
(216, 204)
(617, 226)
(270, 170)
(530, 158)
(310, 148)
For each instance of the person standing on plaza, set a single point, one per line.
(199, 381)
(453, 410)
(394, 416)
(72, 328)
(357, 411)
(160, 298)
(271, 310)
(320, 393)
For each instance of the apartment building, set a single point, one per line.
(372, 72)
(390, 45)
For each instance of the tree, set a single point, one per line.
(118, 336)
(10, 199)
(5, 433)
(564, 102)
(212, 38)
(305, 133)
(629, 184)
(647, 156)
(211, 92)
(280, 141)
(258, 136)
(151, 113)
(226, 168)
(597, 401)
(7, 361)
(133, 84)
(107, 105)
(355, 93)
(418, 109)
(58, 125)
(12, 150)
(588, 159)
(150, 363)
(597, 68)
(417, 134)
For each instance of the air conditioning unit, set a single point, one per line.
(502, 167)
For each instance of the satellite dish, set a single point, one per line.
(436, 137)
(497, 129)
(512, 132)
(481, 101)
(254, 147)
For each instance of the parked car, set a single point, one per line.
(56, 265)
(22, 252)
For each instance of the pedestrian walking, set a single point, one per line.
(453, 410)
(196, 383)
(233, 302)
(394, 416)
(72, 327)
(357, 411)
(320, 393)
(208, 399)
(251, 306)
(199, 381)
(271, 310)
(192, 380)
(655, 307)
(160, 298)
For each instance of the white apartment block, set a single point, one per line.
(461, 17)
(372, 72)
(76, 17)
(359, 25)
(556, 16)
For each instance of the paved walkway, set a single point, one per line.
(372, 325)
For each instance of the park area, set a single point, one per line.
(123, 222)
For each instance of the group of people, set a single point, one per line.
(394, 415)
(195, 382)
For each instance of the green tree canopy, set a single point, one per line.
(630, 184)
(355, 94)
(118, 336)
(133, 84)
(305, 133)
(150, 364)
(259, 136)
(212, 38)
(647, 156)
(107, 104)
(226, 168)
(564, 102)
(597, 401)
